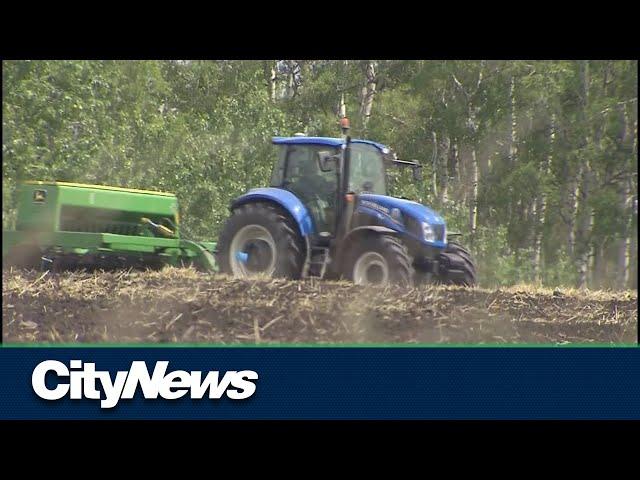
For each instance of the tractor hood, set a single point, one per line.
(407, 207)
(387, 208)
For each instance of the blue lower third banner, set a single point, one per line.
(319, 383)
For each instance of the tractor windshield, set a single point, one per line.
(366, 170)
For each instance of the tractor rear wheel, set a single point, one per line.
(379, 259)
(260, 239)
(457, 266)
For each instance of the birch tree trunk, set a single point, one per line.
(622, 263)
(474, 127)
(632, 278)
(598, 265)
(574, 200)
(513, 134)
(273, 83)
(292, 70)
(597, 256)
(546, 169)
(584, 223)
(531, 212)
(513, 146)
(474, 198)
(434, 164)
(632, 251)
(342, 108)
(444, 190)
(368, 93)
(627, 261)
(454, 161)
(624, 245)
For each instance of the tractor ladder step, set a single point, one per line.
(318, 258)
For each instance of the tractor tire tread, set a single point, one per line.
(396, 253)
(459, 259)
(288, 241)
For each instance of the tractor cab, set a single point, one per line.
(303, 169)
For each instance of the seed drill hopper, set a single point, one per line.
(63, 225)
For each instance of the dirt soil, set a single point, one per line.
(182, 305)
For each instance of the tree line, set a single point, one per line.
(534, 162)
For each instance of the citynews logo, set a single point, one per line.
(82, 380)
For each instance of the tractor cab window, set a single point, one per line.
(277, 176)
(315, 188)
(303, 172)
(366, 170)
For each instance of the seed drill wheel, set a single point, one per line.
(23, 256)
(379, 259)
(259, 239)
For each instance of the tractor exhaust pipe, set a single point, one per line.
(345, 197)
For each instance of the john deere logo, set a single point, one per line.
(39, 196)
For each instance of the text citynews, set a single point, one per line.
(80, 380)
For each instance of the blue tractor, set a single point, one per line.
(327, 214)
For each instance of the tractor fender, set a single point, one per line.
(354, 233)
(285, 199)
(374, 228)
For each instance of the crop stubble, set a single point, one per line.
(182, 305)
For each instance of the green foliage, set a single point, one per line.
(202, 129)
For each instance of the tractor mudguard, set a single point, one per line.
(375, 228)
(344, 244)
(287, 200)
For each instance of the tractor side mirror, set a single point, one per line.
(326, 161)
(417, 173)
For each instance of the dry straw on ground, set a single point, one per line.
(181, 305)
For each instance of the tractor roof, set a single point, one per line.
(333, 142)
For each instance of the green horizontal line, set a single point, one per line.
(315, 345)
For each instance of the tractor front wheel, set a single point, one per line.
(456, 266)
(379, 259)
(259, 239)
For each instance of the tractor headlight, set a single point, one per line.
(428, 232)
